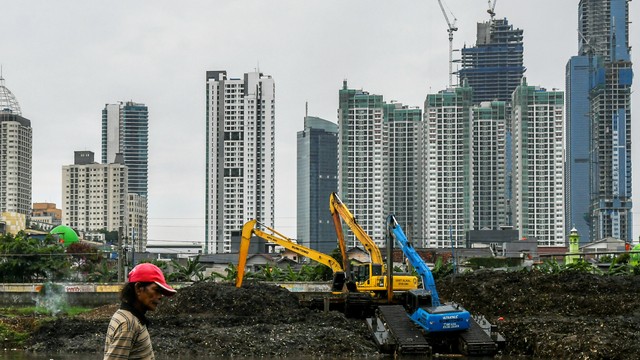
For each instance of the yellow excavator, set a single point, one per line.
(271, 235)
(368, 277)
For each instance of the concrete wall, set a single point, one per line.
(86, 295)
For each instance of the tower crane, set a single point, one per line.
(451, 28)
(492, 7)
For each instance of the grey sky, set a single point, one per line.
(65, 59)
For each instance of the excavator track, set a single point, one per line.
(395, 332)
(476, 341)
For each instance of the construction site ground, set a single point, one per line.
(562, 316)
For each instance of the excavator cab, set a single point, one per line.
(368, 273)
(418, 298)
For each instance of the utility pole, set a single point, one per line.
(120, 255)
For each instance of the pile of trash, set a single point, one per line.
(569, 315)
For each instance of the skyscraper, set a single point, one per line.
(401, 164)
(125, 130)
(125, 133)
(447, 167)
(598, 197)
(494, 67)
(580, 71)
(360, 163)
(488, 169)
(240, 156)
(15, 155)
(317, 178)
(538, 164)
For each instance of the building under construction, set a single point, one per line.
(494, 67)
(598, 129)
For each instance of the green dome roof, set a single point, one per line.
(66, 234)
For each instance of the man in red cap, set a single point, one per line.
(127, 335)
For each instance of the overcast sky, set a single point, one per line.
(65, 59)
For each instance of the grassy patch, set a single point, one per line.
(11, 338)
(38, 310)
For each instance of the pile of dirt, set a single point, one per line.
(216, 319)
(567, 316)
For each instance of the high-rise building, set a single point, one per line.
(240, 156)
(494, 67)
(94, 196)
(15, 155)
(447, 167)
(598, 129)
(125, 130)
(137, 214)
(125, 133)
(317, 178)
(580, 71)
(488, 169)
(401, 164)
(538, 164)
(360, 163)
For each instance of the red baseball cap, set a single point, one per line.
(147, 272)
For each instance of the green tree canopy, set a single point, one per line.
(30, 259)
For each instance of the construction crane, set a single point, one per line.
(492, 7)
(451, 28)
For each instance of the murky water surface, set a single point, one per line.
(18, 355)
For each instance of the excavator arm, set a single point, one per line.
(395, 232)
(271, 235)
(340, 210)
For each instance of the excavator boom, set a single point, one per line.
(339, 210)
(271, 235)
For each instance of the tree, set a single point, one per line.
(193, 269)
(28, 259)
(103, 273)
(84, 257)
(231, 274)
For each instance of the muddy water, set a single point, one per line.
(18, 355)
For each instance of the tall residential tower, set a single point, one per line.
(401, 164)
(240, 156)
(15, 156)
(538, 164)
(447, 167)
(360, 163)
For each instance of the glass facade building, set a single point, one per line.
(494, 67)
(317, 178)
(125, 130)
(598, 129)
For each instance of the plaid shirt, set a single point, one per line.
(127, 336)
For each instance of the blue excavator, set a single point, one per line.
(424, 325)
